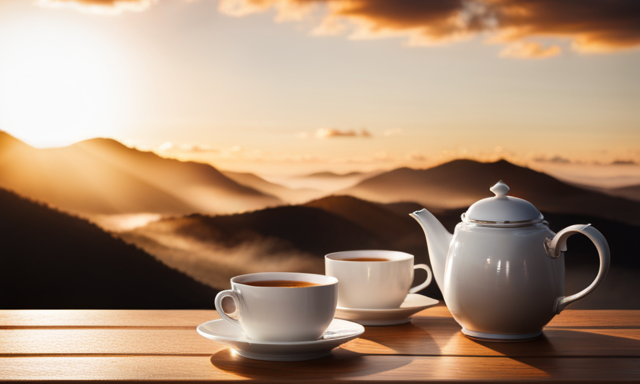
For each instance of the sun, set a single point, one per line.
(58, 85)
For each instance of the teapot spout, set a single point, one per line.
(438, 240)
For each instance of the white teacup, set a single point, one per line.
(373, 284)
(281, 313)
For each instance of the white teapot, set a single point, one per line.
(502, 271)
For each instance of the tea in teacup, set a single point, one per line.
(373, 279)
(280, 306)
(282, 283)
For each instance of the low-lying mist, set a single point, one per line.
(214, 264)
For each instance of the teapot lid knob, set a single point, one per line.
(500, 189)
(502, 210)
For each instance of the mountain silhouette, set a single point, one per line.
(398, 230)
(460, 183)
(289, 195)
(327, 174)
(102, 176)
(54, 260)
(324, 182)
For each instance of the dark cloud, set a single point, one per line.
(590, 25)
(423, 21)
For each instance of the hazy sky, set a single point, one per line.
(275, 85)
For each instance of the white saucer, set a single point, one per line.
(413, 303)
(339, 332)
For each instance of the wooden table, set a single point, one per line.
(595, 346)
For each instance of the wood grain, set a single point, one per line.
(191, 318)
(342, 366)
(105, 318)
(407, 339)
(161, 346)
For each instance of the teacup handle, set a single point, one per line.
(426, 282)
(558, 244)
(218, 304)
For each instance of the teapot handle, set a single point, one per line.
(558, 244)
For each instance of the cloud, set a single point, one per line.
(624, 162)
(392, 132)
(189, 148)
(416, 156)
(109, 7)
(529, 50)
(328, 133)
(555, 159)
(591, 26)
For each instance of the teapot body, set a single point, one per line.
(501, 283)
(502, 271)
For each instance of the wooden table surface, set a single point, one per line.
(108, 345)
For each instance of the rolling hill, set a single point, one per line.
(102, 176)
(51, 260)
(460, 183)
(397, 229)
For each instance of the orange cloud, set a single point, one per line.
(416, 156)
(529, 50)
(392, 132)
(192, 148)
(590, 25)
(327, 133)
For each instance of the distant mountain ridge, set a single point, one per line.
(328, 174)
(102, 176)
(460, 183)
(290, 195)
(51, 260)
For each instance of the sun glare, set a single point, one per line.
(57, 84)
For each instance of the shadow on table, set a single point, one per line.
(571, 346)
(341, 363)
(407, 339)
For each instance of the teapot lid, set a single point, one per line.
(502, 210)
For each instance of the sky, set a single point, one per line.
(286, 86)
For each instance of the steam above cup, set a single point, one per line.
(267, 309)
(373, 279)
